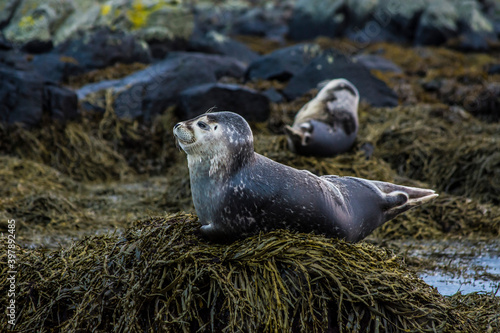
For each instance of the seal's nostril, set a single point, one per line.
(177, 125)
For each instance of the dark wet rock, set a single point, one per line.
(331, 65)
(268, 22)
(26, 96)
(249, 103)
(473, 41)
(56, 67)
(273, 95)
(284, 63)
(376, 62)
(432, 85)
(216, 43)
(102, 47)
(483, 103)
(59, 102)
(494, 69)
(312, 18)
(7, 10)
(5, 44)
(149, 92)
(368, 149)
(36, 46)
(437, 24)
(15, 59)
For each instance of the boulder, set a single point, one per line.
(26, 96)
(267, 21)
(331, 65)
(216, 43)
(312, 18)
(376, 62)
(55, 67)
(284, 63)
(102, 47)
(438, 23)
(35, 20)
(250, 104)
(149, 92)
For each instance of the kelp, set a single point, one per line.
(161, 276)
(451, 152)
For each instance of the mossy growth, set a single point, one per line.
(161, 276)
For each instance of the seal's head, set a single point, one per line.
(217, 139)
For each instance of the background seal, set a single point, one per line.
(328, 124)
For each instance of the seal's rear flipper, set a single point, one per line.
(402, 198)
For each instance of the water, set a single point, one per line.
(457, 266)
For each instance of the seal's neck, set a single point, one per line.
(218, 165)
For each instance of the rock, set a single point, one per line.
(477, 31)
(55, 67)
(35, 20)
(147, 20)
(16, 60)
(269, 22)
(284, 63)
(21, 94)
(249, 103)
(331, 65)
(400, 18)
(372, 61)
(273, 95)
(216, 43)
(312, 18)
(102, 47)
(494, 69)
(5, 44)
(7, 10)
(437, 24)
(483, 103)
(37, 46)
(149, 92)
(59, 102)
(26, 96)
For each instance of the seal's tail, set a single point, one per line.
(402, 198)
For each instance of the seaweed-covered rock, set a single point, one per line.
(159, 275)
(149, 92)
(249, 103)
(331, 65)
(216, 43)
(284, 63)
(25, 97)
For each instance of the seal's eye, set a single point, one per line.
(203, 125)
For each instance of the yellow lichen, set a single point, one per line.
(139, 13)
(105, 9)
(27, 22)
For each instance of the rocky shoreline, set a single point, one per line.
(90, 91)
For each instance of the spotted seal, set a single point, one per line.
(238, 192)
(328, 124)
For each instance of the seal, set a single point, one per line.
(238, 192)
(328, 124)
